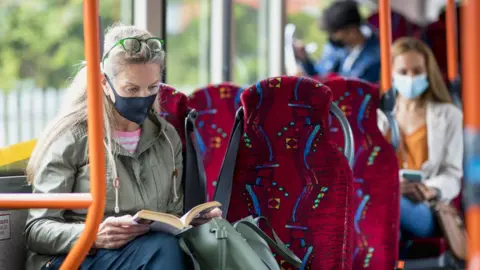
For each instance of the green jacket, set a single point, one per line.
(146, 182)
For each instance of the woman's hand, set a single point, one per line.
(115, 232)
(299, 50)
(216, 212)
(428, 192)
(411, 191)
(417, 192)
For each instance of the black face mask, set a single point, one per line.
(134, 109)
(336, 43)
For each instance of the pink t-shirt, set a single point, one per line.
(128, 139)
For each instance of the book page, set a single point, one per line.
(158, 221)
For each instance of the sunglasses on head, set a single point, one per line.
(133, 45)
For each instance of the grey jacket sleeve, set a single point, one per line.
(46, 231)
(176, 206)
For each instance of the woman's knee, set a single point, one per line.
(160, 241)
(416, 219)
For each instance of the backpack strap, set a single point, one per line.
(184, 247)
(387, 105)
(195, 179)
(225, 178)
(276, 243)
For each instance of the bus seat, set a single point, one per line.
(173, 106)
(285, 168)
(12, 223)
(216, 106)
(375, 171)
(401, 27)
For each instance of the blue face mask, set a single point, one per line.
(134, 109)
(410, 87)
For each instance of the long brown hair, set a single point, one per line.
(437, 91)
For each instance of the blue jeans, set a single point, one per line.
(416, 219)
(153, 250)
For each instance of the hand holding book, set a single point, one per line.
(173, 225)
(206, 217)
(115, 232)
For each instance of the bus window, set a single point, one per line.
(37, 57)
(188, 38)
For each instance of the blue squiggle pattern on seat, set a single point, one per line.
(359, 151)
(208, 98)
(309, 145)
(294, 214)
(237, 99)
(203, 112)
(358, 214)
(296, 87)
(305, 258)
(260, 94)
(361, 112)
(267, 141)
(256, 204)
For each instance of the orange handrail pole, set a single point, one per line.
(95, 138)
(385, 43)
(46, 200)
(452, 45)
(471, 99)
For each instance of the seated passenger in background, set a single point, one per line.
(144, 165)
(431, 135)
(353, 49)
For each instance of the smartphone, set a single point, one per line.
(413, 176)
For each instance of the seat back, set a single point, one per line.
(287, 169)
(401, 27)
(216, 106)
(172, 105)
(375, 171)
(12, 223)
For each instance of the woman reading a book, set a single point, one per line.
(144, 165)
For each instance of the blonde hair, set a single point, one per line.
(74, 112)
(437, 91)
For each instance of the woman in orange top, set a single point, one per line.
(431, 135)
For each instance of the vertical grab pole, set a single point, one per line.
(452, 46)
(385, 43)
(95, 139)
(471, 99)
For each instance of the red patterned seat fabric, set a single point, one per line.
(289, 171)
(216, 106)
(174, 108)
(376, 179)
(401, 27)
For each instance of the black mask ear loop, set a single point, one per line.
(110, 84)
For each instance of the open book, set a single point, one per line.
(171, 224)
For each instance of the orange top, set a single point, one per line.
(414, 149)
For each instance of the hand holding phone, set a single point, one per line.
(414, 176)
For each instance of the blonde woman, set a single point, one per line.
(144, 163)
(431, 135)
